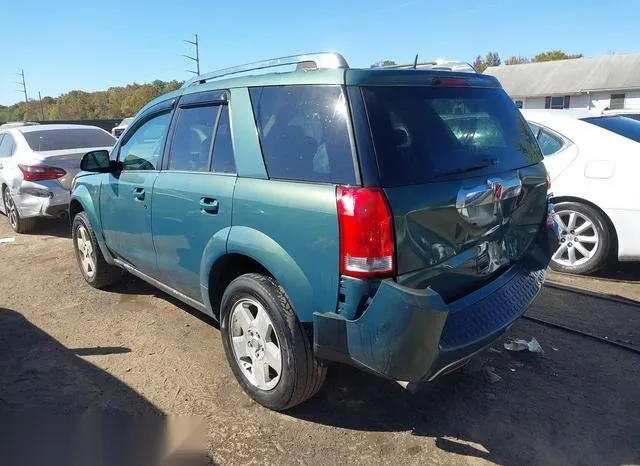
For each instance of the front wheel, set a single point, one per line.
(95, 270)
(585, 239)
(265, 344)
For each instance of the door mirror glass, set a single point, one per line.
(97, 161)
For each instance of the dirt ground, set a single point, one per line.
(66, 348)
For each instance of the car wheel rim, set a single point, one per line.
(256, 347)
(85, 251)
(12, 214)
(579, 239)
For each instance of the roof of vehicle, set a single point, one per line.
(336, 75)
(16, 124)
(28, 129)
(575, 114)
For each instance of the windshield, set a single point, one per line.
(626, 127)
(427, 133)
(72, 138)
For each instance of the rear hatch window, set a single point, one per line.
(63, 139)
(424, 133)
(623, 126)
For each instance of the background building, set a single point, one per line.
(609, 81)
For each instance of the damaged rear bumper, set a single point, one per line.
(412, 335)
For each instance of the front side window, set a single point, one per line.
(143, 148)
(6, 145)
(305, 133)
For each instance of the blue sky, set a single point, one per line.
(70, 44)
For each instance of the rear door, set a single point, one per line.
(192, 196)
(126, 196)
(462, 174)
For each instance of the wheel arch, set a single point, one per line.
(249, 250)
(614, 246)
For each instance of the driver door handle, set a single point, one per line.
(138, 193)
(209, 205)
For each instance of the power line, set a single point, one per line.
(23, 84)
(197, 57)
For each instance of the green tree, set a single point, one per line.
(382, 63)
(516, 60)
(553, 55)
(492, 59)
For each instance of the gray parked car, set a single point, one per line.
(37, 166)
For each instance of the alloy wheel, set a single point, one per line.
(85, 251)
(579, 239)
(10, 207)
(256, 346)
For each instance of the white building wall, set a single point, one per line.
(533, 102)
(601, 100)
(579, 101)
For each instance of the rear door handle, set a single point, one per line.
(138, 193)
(209, 205)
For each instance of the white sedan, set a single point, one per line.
(37, 165)
(593, 162)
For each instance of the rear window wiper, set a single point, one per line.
(469, 168)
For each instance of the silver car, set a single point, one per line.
(37, 166)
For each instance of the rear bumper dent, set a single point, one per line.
(412, 336)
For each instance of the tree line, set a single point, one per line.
(115, 102)
(493, 59)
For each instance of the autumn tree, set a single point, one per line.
(479, 65)
(492, 59)
(554, 55)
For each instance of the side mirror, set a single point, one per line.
(98, 161)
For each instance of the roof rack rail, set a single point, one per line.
(448, 65)
(309, 61)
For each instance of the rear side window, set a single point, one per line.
(305, 133)
(6, 145)
(72, 138)
(425, 133)
(193, 138)
(626, 127)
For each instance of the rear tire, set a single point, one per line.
(586, 239)
(18, 224)
(248, 302)
(95, 270)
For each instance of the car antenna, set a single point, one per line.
(415, 62)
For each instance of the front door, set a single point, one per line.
(192, 198)
(126, 196)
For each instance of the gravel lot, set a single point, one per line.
(67, 348)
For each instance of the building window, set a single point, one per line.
(557, 102)
(519, 103)
(616, 101)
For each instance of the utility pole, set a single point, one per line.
(41, 106)
(23, 84)
(197, 57)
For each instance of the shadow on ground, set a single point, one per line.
(576, 404)
(60, 409)
(624, 271)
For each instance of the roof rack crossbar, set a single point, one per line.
(321, 60)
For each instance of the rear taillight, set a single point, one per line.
(41, 172)
(366, 232)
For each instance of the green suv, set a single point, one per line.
(393, 219)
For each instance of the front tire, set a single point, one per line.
(18, 224)
(586, 239)
(265, 344)
(95, 270)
